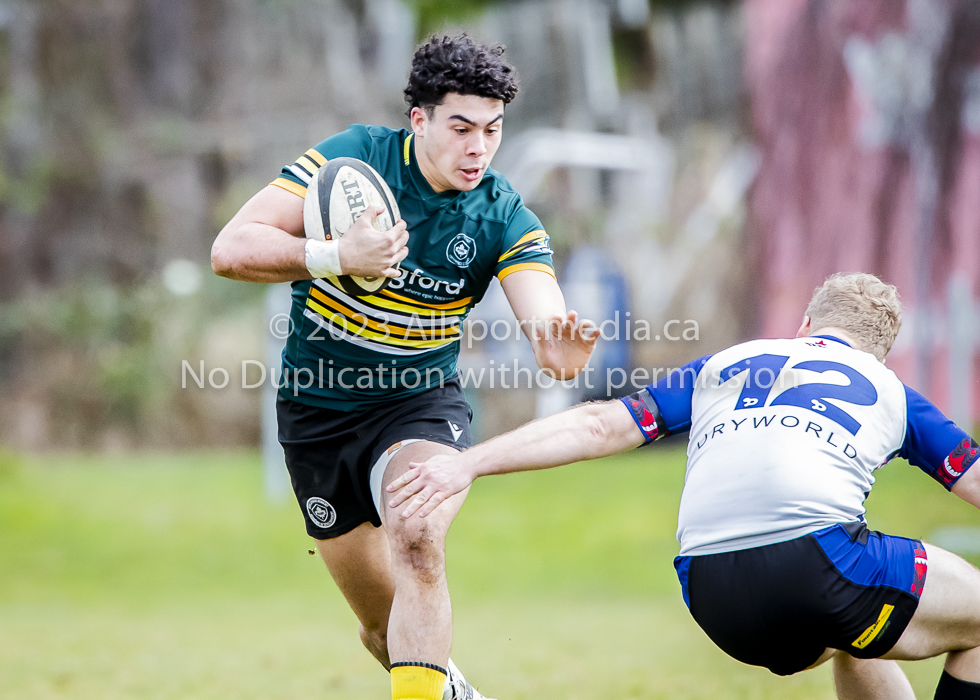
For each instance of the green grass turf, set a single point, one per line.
(152, 576)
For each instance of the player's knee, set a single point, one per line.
(419, 547)
(417, 533)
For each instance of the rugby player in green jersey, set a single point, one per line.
(369, 383)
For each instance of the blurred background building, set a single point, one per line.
(702, 161)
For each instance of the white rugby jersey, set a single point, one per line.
(785, 437)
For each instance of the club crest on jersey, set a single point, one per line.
(461, 250)
(321, 512)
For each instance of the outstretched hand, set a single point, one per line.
(427, 484)
(563, 344)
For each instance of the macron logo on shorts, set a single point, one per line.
(455, 430)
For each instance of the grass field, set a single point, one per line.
(144, 576)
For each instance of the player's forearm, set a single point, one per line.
(587, 432)
(968, 487)
(254, 252)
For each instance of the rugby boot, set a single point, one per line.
(457, 687)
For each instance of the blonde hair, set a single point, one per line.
(861, 305)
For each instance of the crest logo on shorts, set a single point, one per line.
(321, 513)
(461, 250)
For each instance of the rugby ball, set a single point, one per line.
(339, 193)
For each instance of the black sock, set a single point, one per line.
(951, 688)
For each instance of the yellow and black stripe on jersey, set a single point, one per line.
(303, 169)
(528, 244)
(385, 322)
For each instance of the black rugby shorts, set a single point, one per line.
(329, 454)
(780, 606)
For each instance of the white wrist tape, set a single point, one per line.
(323, 258)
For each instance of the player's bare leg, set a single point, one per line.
(947, 620)
(964, 664)
(870, 679)
(420, 625)
(866, 679)
(360, 564)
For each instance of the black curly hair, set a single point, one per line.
(457, 64)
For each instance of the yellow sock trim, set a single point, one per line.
(416, 683)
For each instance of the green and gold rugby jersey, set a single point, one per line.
(349, 353)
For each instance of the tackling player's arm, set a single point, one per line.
(935, 444)
(562, 343)
(968, 487)
(585, 432)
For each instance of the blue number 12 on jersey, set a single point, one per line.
(812, 397)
